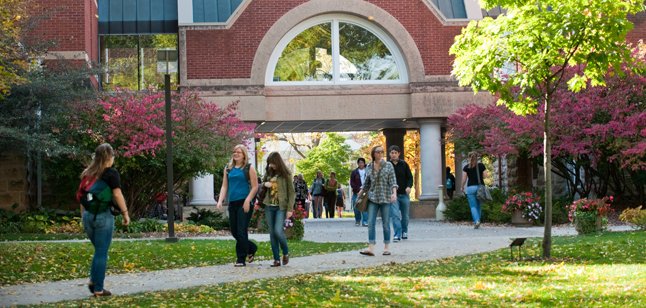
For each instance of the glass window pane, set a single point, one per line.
(139, 62)
(308, 57)
(364, 56)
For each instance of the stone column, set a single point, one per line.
(201, 191)
(394, 136)
(431, 158)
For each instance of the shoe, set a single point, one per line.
(250, 258)
(357, 224)
(367, 253)
(396, 239)
(404, 236)
(285, 259)
(90, 286)
(103, 293)
(386, 253)
(477, 225)
(239, 264)
(364, 225)
(276, 263)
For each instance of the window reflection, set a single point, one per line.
(308, 57)
(139, 62)
(364, 56)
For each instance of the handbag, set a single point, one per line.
(483, 193)
(362, 201)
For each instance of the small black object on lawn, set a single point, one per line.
(519, 241)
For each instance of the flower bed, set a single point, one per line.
(527, 203)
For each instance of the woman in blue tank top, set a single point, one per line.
(240, 191)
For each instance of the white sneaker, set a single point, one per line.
(404, 236)
(396, 239)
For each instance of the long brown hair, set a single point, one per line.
(473, 159)
(281, 168)
(100, 161)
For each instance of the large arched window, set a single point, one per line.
(336, 49)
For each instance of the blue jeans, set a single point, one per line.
(474, 203)
(396, 219)
(404, 208)
(357, 213)
(275, 220)
(99, 231)
(384, 208)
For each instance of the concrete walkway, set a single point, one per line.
(428, 240)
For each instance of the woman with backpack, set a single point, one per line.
(279, 200)
(240, 191)
(98, 221)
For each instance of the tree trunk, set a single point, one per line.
(547, 161)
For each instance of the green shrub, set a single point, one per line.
(635, 216)
(138, 226)
(458, 209)
(9, 221)
(258, 221)
(213, 219)
(492, 212)
(559, 210)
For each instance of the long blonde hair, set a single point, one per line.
(473, 159)
(245, 156)
(100, 161)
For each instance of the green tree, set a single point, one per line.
(13, 54)
(522, 57)
(331, 155)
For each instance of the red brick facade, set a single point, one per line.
(229, 53)
(71, 25)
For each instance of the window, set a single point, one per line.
(138, 62)
(336, 50)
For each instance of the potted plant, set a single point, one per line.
(525, 208)
(589, 215)
(294, 226)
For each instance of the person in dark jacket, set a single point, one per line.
(450, 183)
(357, 178)
(400, 211)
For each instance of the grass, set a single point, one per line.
(59, 236)
(42, 261)
(605, 270)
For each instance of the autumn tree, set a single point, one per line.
(522, 57)
(133, 122)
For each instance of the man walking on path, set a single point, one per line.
(357, 178)
(400, 211)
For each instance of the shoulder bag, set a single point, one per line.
(483, 192)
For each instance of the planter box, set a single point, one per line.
(518, 220)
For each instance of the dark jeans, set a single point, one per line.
(239, 224)
(330, 203)
(99, 231)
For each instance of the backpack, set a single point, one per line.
(449, 183)
(95, 196)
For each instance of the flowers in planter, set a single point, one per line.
(589, 215)
(294, 226)
(527, 203)
(598, 207)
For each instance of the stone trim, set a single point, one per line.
(390, 24)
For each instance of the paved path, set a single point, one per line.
(428, 240)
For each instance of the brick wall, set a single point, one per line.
(221, 54)
(215, 54)
(13, 183)
(71, 25)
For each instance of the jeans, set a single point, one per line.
(396, 219)
(275, 220)
(357, 213)
(384, 208)
(404, 207)
(239, 224)
(99, 231)
(474, 203)
(317, 206)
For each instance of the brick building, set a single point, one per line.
(294, 65)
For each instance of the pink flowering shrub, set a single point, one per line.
(134, 123)
(597, 207)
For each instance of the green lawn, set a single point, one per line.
(606, 270)
(42, 261)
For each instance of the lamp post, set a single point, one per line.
(170, 194)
